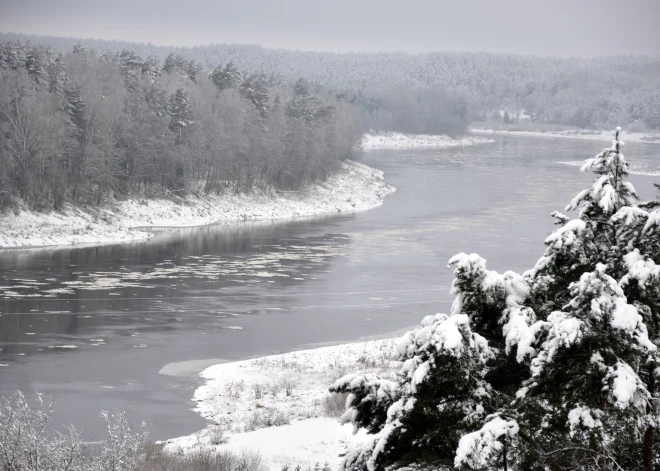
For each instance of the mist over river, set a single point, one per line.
(129, 326)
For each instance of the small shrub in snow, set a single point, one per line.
(275, 388)
(216, 435)
(289, 386)
(27, 443)
(155, 459)
(552, 369)
(334, 404)
(266, 418)
(234, 389)
(258, 390)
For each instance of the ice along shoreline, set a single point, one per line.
(396, 140)
(355, 187)
(606, 136)
(279, 405)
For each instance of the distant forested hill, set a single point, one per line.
(580, 92)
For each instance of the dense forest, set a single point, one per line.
(597, 92)
(84, 120)
(80, 125)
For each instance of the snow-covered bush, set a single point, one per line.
(552, 369)
(28, 444)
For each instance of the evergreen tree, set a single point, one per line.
(37, 62)
(150, 67)
(186, 68)
(129, 61)
(12, 56)
(552, 369)
(192, 69)
(226, 77)
(78, 48)
(305, 107)
(171, 63)
(57, 76)
(255, 89)
(157, 99)
(180, 113)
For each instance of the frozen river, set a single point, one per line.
(128, 326)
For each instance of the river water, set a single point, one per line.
(128, 326)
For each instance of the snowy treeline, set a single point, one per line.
(574, 91)
(556, 368)
(80, 127)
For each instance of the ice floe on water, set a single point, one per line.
(274, 262)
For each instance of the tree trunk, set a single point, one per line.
(648, 435)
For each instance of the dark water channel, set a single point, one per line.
(128, 326)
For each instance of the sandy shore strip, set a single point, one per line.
(395, 140)
(356, 187)
(280, 407)
(605, 136)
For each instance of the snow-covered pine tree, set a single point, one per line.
(255, 89)
(131, 65)
(176, 63)
(129, 61)
(37, 62)
(171, 63)
(78, 48)
(156, 97)
(57, 76)
(226, 77)
(192, 68)
(12, 56)
(552, 369)
(180, 113)
(150, 67)
(305, 107)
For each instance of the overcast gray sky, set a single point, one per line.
(544, 27)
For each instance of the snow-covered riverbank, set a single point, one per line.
(633, 169)
(395, 140)
(279, 405)
(605, 136)
(356, 187)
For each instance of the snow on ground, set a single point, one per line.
(356, 187)
(633, 169)
(606, 136)
(395, 140)
(279, 405)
